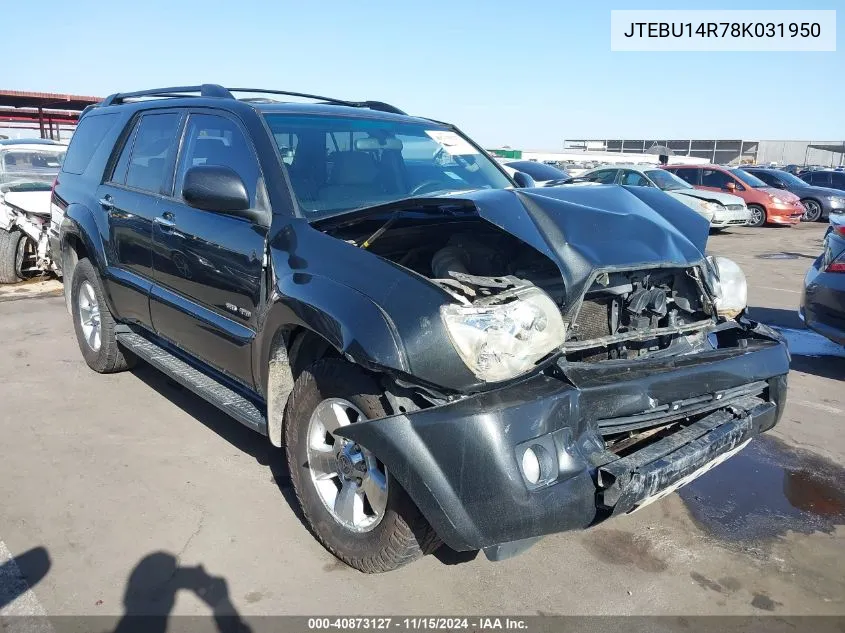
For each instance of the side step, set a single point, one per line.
(204, 386)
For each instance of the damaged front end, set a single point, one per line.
(613, 365)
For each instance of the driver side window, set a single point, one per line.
(634, 178)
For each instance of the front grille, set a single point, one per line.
(593, 320)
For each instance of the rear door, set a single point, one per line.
(209, 266)
(692, 176)
(130, 195)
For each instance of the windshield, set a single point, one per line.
(789, 179)
(538, 171)
(30, 164)
(338, 164)
(666, 180)
(748, 179)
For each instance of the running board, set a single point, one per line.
(206, 387)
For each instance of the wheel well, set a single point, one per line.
(73, 249)
(305, 347)
(291, 351)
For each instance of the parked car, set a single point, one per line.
(27, 172)
(720, 209)
(819, 202)
(544, 175)
(445, 357)
(823, 300)
(825, 178)
(766, 204)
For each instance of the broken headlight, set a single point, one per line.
(503, 340)
(729, 285)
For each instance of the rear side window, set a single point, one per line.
(605, 176)
(86, 139)
(153, 151)
(687, 174)
(715, 178)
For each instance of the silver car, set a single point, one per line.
(721, 209)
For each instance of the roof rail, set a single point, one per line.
(205, 90)
(372, 105)
(214, 90)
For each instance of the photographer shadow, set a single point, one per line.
(151, 594)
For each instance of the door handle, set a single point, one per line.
(107, 202)
(167, 219)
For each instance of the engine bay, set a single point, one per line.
(622, 315)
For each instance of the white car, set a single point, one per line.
(721, 209)
(27, 171)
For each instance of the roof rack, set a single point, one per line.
(214, 90)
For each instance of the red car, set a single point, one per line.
(766, 204)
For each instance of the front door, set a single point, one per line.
(130, 195)
(209, 266)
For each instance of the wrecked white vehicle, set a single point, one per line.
(27, 172)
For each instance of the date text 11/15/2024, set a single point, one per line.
(417, 623)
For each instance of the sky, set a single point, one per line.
(524, 74)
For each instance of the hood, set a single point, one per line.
(722, 198)
(822, 192)
(37, 202)
(586, 230)
(783, 194)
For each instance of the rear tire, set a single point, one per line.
(758, 215)
(12, 247)
(401, 534)
(94, 323)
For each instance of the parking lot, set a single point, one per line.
(130, 484)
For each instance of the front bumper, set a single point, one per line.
(823, 303)
(461, 462)
(788, 214)
(731, 217)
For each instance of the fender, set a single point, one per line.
(80, 223)
(348, 320)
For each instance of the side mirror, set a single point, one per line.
(523, 180)
(731, 186)
(217, 188)
(779, 184)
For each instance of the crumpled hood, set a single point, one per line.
(703, 194)
(585, 230)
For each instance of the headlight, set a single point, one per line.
(837, 202)
(715, 207)
(777, 200)
(501, 341)
(729, 286)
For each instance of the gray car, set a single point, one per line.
(819, 202)
(721, 209)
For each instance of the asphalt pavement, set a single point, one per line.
(127, 493)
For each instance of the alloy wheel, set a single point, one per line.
(350, 481)
(89, 315)
(812, 211)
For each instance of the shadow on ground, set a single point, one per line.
(151, 592)
(236, 434)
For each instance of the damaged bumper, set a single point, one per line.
(461, 463)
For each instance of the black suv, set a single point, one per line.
(448, 355)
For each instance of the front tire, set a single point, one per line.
(758, 215)
(361, 516)
(94, 323)
(12, 249)
(812, 211)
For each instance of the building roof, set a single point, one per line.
(48, 100)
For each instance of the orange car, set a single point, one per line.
(765, 203)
